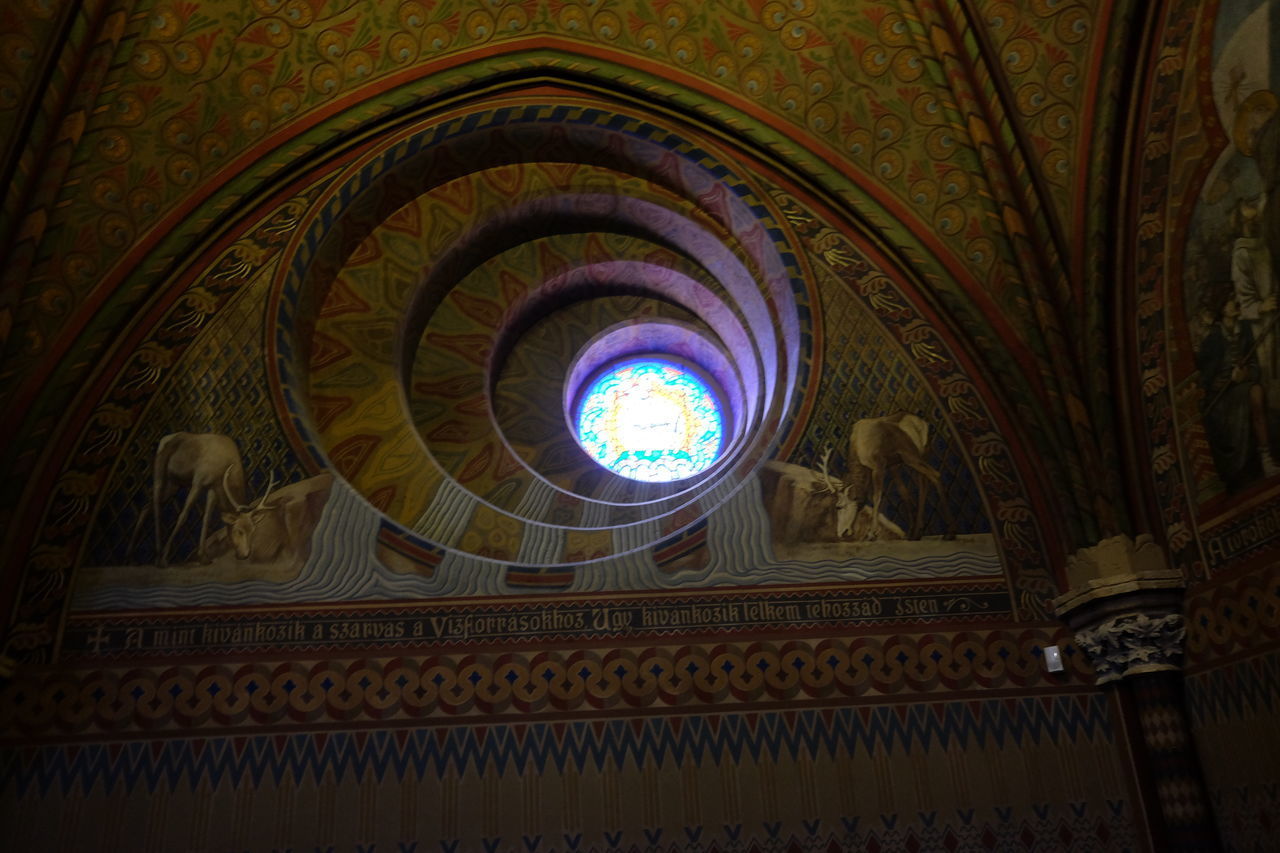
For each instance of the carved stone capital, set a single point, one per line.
(1125, 607)
(1133, 643)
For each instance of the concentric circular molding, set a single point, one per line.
(453, 277)
(538, 281)
(557, 306)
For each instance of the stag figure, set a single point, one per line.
(877, 446)
(808, 505)
(854, 518)
(279, 526)
(205, 464)
(805, 505)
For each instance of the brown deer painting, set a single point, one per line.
(878, 446)
(280, 525)
(208, 466)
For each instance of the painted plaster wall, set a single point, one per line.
(946, 248)
(1217, 506)
(980, 775)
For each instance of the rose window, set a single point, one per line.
(650, 419)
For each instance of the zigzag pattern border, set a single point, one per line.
(1243, 689)
(521, 748)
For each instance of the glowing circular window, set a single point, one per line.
(650, 419)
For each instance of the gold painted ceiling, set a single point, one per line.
(964, 142)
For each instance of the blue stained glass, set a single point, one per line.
(650, 420)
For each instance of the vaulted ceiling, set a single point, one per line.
(956, 159)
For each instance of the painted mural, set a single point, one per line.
(1205, 316)
(266, 537)
(300, 292)
(434, 499)
(1205, 313)
(812, 508)
(370, 466)
(1231, 288)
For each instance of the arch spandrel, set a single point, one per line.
(924, 373)
(905, 171)
(947, 231)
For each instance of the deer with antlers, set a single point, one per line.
(854, 518)
(802, 503)
(281, 523)
(808, 505)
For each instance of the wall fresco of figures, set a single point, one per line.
(156, 167)
(347, 472)
(222, 517)
(1230, 285)
(1206, 306)
(1206, 253)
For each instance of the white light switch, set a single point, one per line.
(1053, 658)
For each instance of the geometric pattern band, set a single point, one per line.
(1231, 704)
(187, 763)
(1233, 617)
(1170, 755)
(214, 697)
(1246, 815)
(1078, 827)
(1240, 690)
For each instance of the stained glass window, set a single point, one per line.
(651, 420)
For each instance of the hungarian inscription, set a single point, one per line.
(478, 624)
(1243, 535)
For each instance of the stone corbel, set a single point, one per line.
(1125, 607)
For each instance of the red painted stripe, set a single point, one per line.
(391, 541)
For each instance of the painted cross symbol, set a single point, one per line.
(97, 639)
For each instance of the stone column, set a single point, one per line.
(1125, 608)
